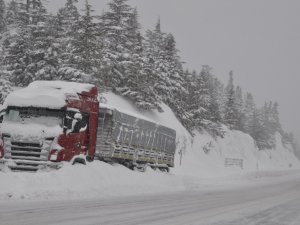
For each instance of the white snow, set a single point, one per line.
(198, 170)
(48, 94)
(32, 131)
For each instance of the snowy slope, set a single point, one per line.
(198, 170)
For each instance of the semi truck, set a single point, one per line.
(52, 122)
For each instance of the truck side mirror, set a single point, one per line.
(78, 116)
(2, 113)
(76, 123)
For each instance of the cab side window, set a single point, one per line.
(74, 122)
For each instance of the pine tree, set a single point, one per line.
(216, 90)
(12, 14)
(267, 135)
(137, 84)
(116, 52)
(288, 138)
(6, 88)
(67, 29)
(174, 75)
(17, 59)
(154, 51)
(249, 110)
(255, 127)
(231, 111)
(45, 50)
(30, 53)
(29, 11)
(203, 94)
(86, 53)
(270, 125)
(2, 16)
(188, 98)
(160, 49)
(275, 121)
(240, 108)
(220, 97)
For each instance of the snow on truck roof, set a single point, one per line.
(48, 94)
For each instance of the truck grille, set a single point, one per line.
(28, 151)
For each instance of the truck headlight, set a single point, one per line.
(53, 155)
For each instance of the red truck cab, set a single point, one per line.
(49, 122)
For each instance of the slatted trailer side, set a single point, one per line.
(127, 139)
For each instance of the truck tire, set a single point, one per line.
(79, 161)
(89, 158)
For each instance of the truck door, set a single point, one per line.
(76, 131)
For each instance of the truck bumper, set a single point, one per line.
(26, 165)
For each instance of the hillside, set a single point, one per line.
(198, 170)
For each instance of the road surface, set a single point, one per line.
(277, 203)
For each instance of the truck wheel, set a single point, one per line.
(89, 158)
(79, 161)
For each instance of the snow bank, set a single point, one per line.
(202, 166)
(97, 179)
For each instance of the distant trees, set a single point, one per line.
(111, 51)
(242, 114)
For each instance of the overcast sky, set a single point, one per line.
(257, 39)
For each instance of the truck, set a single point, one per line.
(52, 122)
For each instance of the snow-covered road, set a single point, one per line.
(273, 203)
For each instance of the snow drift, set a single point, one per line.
(202, 164)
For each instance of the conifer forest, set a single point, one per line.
(112, 51)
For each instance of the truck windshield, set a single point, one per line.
(48, 117)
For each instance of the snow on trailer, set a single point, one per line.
(134, 141)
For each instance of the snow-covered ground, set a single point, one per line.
(272, 201)
(197, 171)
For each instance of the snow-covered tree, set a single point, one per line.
(29, 11)
(249, 110)
(116, 52)
(45, 51)
(207, 95)
(168, 75)
(189, 104)
(174, 74)
(137, 84)
(270, 125)
(240, 108)
(231, 111)
(17, 59)
(154, 51)
(255, 126)
(2, 16)
(217, 93)
(86, 52)
(275, 120)
(30, 53)
(5, 89)
(12, 13)
(67, 29)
